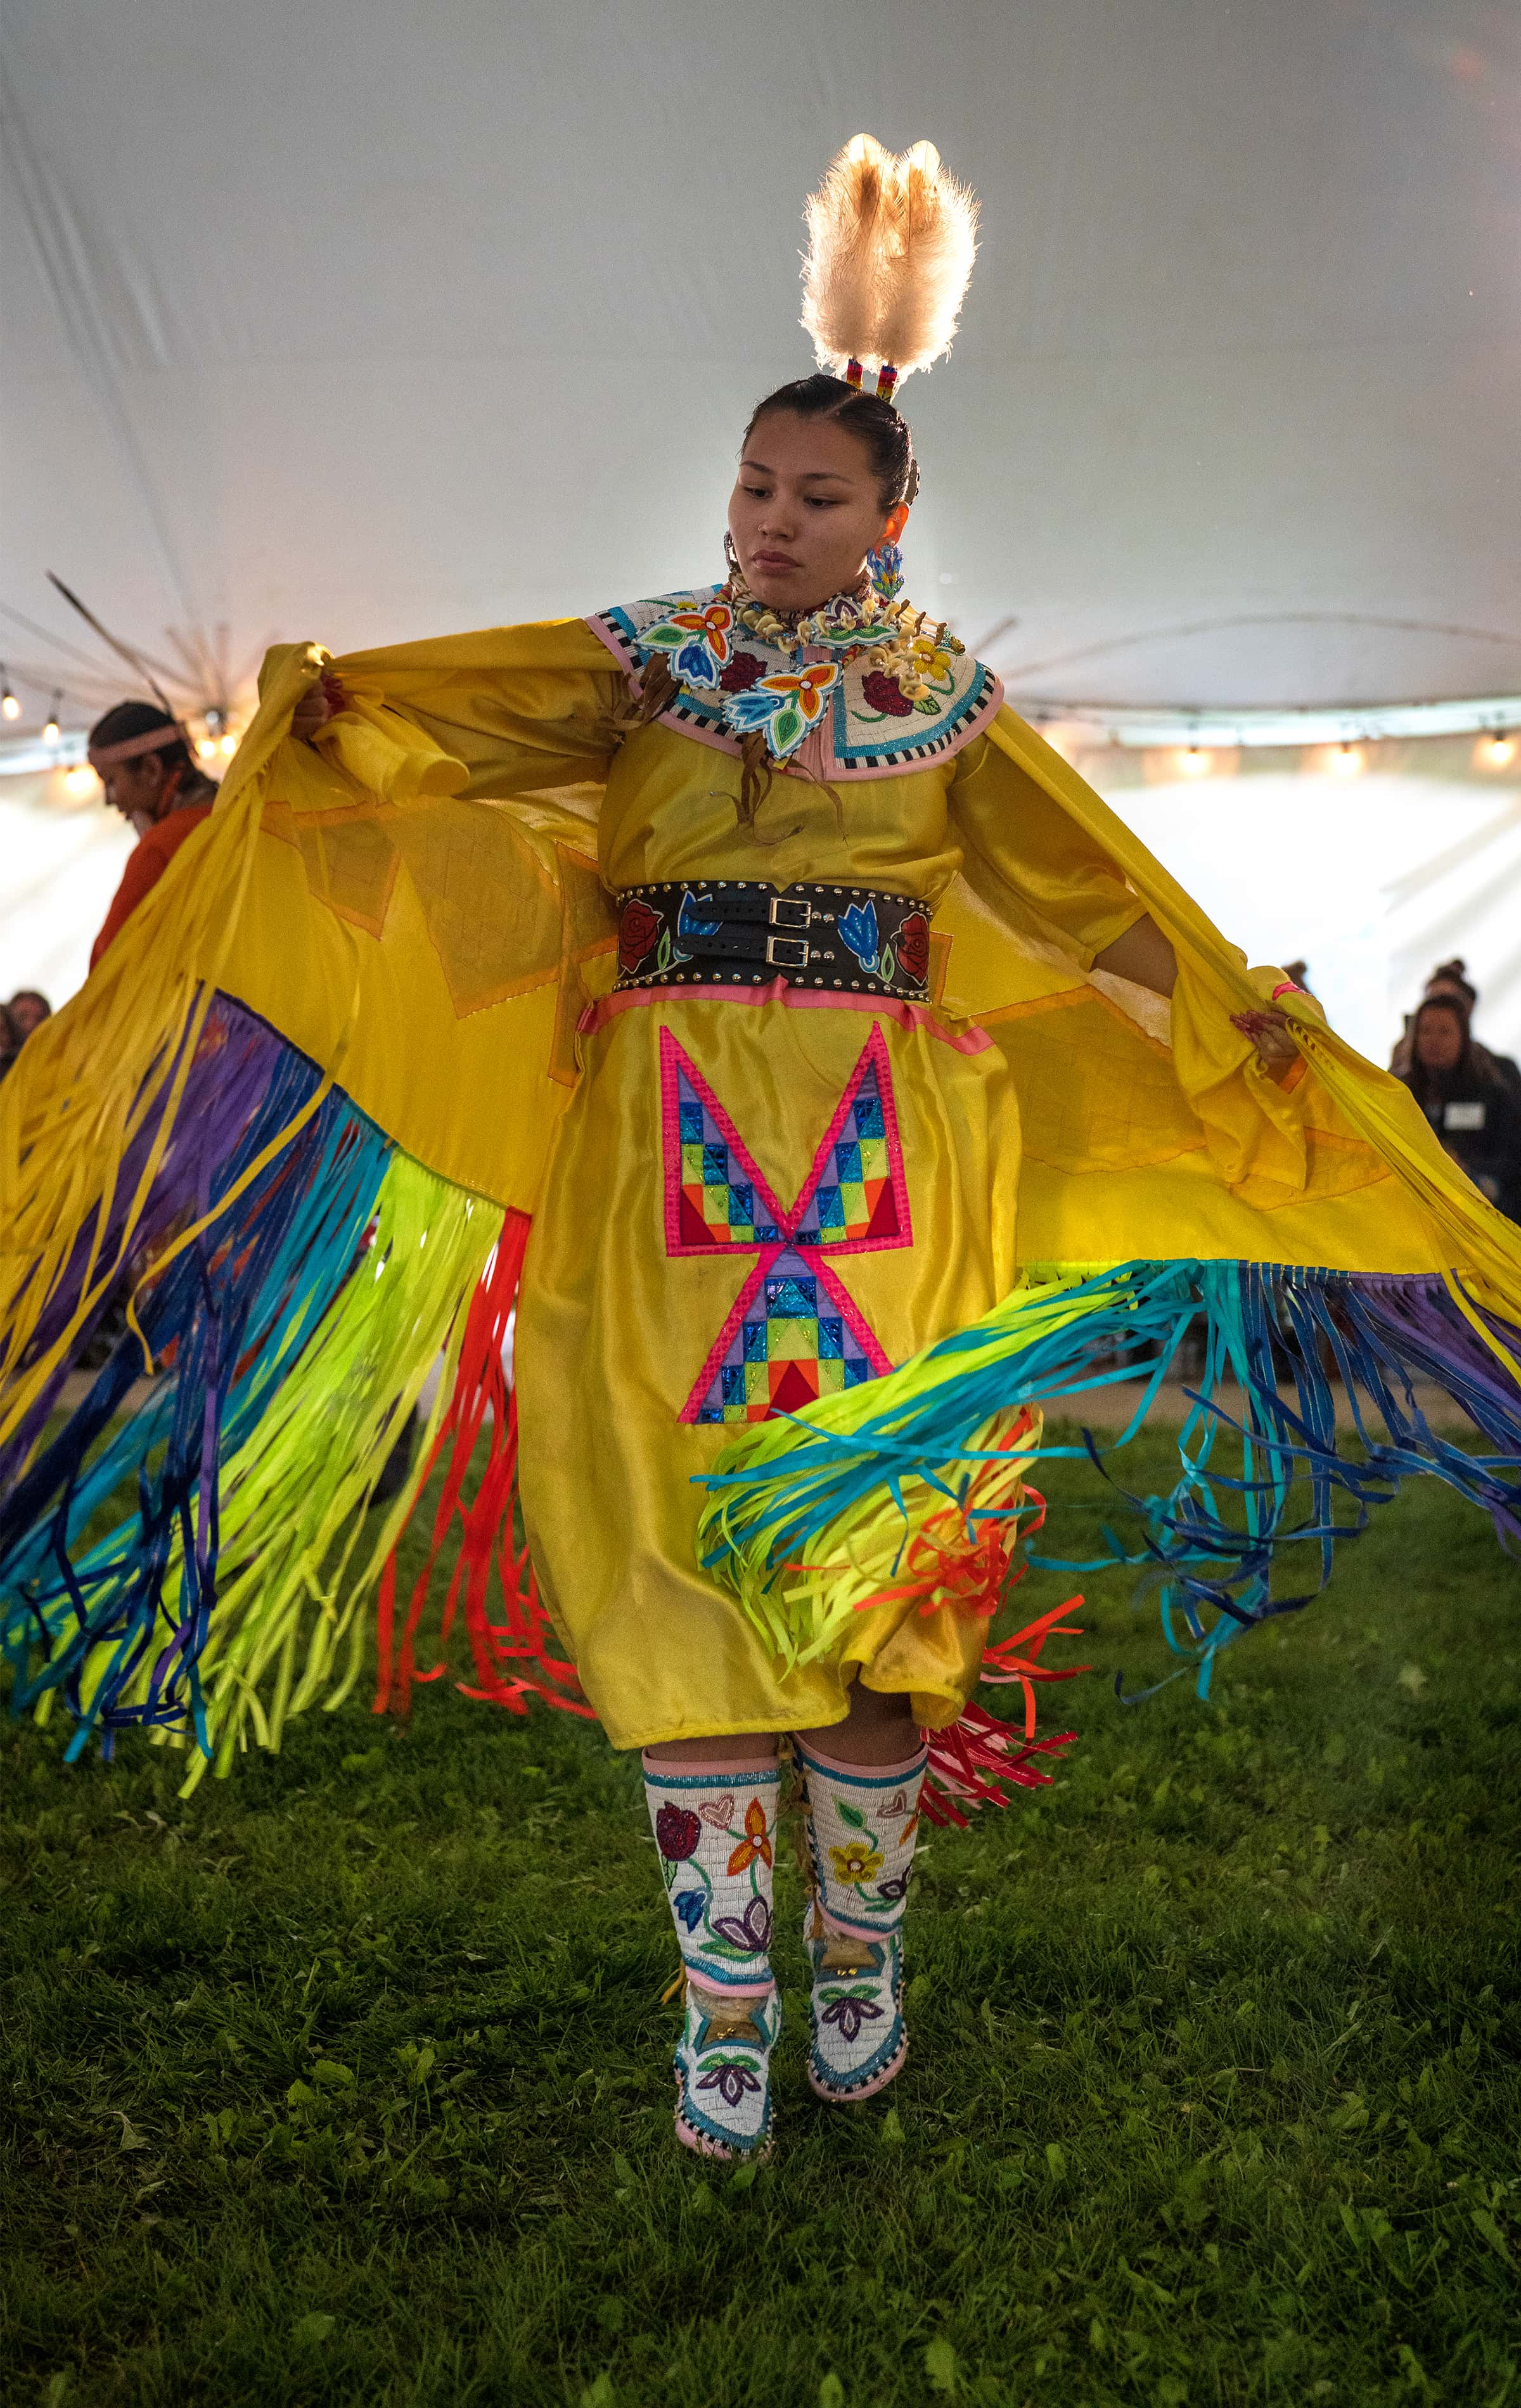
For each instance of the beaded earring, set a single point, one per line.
(884, 566)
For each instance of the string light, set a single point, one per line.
(9, 707)
(1498, 751)
(80, 780)
(1194, 762)
(228, 746)
(205, 747)
(1346, 761)
(51, 731)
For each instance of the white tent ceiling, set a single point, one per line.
(363, 320)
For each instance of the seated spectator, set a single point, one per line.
(28, 1010)
(1473, 1110)
(1451, 979)
(142, 760)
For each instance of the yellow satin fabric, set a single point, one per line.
(421, 902)
(613, 1334)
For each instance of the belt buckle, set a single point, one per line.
(779, 961)
(779, 903)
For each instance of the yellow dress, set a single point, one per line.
(380, 981)
(619, 1322)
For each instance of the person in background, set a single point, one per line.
(1473, 1110)
(151, 777)
(9, 1041)
(27, 1010)
(1451, 979)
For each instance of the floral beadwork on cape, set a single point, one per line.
(878, 721)
(794, 1333)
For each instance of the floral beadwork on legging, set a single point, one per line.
(861, 1825)
(716, 1835)
(715, 1828)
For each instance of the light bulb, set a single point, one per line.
(1498, 750)
(9, 707)
(1346, 761)
(80, 780)
(205, 747)
(1194, 762)
(228, 746)
(51, 731)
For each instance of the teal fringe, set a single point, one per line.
(1208, 1546)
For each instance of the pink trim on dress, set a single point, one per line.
(887, 1006)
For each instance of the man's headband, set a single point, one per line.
(106, 756)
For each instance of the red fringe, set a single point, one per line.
(968, 1762)
(514, 1659)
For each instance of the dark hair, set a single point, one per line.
(1455, 973)
(1423, 1083)
(889, 445)
(32, 995)
(125, 720)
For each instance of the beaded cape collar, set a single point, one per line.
(875, 682)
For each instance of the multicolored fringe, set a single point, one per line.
(190, 1567)
(804, 1513)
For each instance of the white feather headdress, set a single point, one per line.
(890, 247)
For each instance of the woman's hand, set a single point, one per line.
(321, 703)
(1269, 1032)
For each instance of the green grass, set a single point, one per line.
(348, 2081)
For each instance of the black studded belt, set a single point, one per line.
(741, 932)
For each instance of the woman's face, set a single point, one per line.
(1439, 1041)
(806, 511)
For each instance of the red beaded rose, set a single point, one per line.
(742, 673)
(913, 947)
(884, 694)
(637, 929)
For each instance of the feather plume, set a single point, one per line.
(890, 249)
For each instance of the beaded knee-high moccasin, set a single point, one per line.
(715, 1828)
(861, 1825)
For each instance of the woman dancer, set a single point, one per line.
(806, 1127)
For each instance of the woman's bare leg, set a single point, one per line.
(734, 1749)
(880, 1729)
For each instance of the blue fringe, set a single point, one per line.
(236, 1307)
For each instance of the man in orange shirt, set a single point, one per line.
(141, 759)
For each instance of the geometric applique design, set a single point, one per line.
(856, 1195)
(715, 1196)
(793, 1333)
